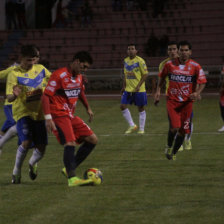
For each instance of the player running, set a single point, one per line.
(186, 82)
(24, 88)
(59, 100)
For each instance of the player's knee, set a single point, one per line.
(92, 139)
(123, 107)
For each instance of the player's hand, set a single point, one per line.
(194, 96)
(137, 89)
(90, 113)
(17, 90)
(156, 98)
(50, 125)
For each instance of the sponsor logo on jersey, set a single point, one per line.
(181, 78)
(63, 75)
(73, 85)
(72, 92)
(53, 83)
(50, 88)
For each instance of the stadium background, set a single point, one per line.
(148, 25)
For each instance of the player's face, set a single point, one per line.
(37, 58)
(184, 53)
(28, 62)
(131, 51)
(79, 67)
(84, 66)
(172, 51)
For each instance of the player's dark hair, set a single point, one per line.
(173, 42)
(83, 56)
(132, 44)
(184, 43)
(30, 51)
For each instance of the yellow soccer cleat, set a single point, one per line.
(181, 149)
(64, 172)
(141, 132)
(76, 181)
(131, 129)
(187, 145)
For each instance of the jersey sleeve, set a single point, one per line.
(4, 73)
(11, 82)
(201, 78)
(53, 84)
(164, 71)
(143, 67)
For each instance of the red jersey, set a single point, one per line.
(182, 79)
(64, 91)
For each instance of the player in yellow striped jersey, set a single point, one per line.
(25, 85)
(133, 91)
(9, 130)
(172, 51)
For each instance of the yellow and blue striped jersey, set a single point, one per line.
(4, 74)
(32, 83)
(134, 69)
(161, 65)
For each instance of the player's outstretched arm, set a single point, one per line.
(50, 125)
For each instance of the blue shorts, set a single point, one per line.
(138, 98)
(9, 122)
(29, 129)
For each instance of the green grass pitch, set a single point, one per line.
(140, 184)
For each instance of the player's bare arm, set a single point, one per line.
(158, 90)
(143, 79)
(50, 125)
(85, 103)
(196, 95)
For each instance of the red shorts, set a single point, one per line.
(71, 129)
(179, 114)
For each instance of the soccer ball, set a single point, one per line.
(95, 174)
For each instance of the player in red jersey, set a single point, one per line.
(60, 97)
(184, 76)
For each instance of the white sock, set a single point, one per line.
(20, 156)
(8, 135)
(36, 156)
(142, 118)
(127, 115)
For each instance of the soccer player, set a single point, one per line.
(24, 88)
(59, 100)
(8, 130)
(172, 50)
(221, 104)
(186, 82)
(133, 91)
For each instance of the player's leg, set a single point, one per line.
(86, 137)
(24, 126)
(66, 137)
(126, 99)
(187, 140)
(222, 115)
(39, 137)
(141, 102)
(9, 122)
(185, 113)
(174, 125)
(11, 132)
